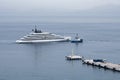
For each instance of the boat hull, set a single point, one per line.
(68, 58)
(41, 41)
(73, 58)
(77, 41)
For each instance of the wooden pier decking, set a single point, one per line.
(103, 64)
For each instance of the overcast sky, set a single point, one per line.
(59, 7)
(23, 5)
(37, 8)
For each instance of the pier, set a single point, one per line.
(103, 64)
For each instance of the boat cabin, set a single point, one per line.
(36, 30)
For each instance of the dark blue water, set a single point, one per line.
(46, 61)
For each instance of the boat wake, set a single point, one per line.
(6, 41)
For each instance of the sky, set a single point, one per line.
(59, 8)
(58, 5)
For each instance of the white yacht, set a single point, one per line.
(37, 36)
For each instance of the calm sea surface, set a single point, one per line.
(46, 61)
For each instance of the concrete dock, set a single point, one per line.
(103, 64)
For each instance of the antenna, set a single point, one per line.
(72, 52)
(35, 29)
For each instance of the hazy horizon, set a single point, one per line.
(58, 9)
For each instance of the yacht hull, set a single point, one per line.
(41, 41)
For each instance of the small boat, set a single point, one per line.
(77, 39)
(73, 57)
(99, 60)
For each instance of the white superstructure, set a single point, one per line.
(38, 36)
